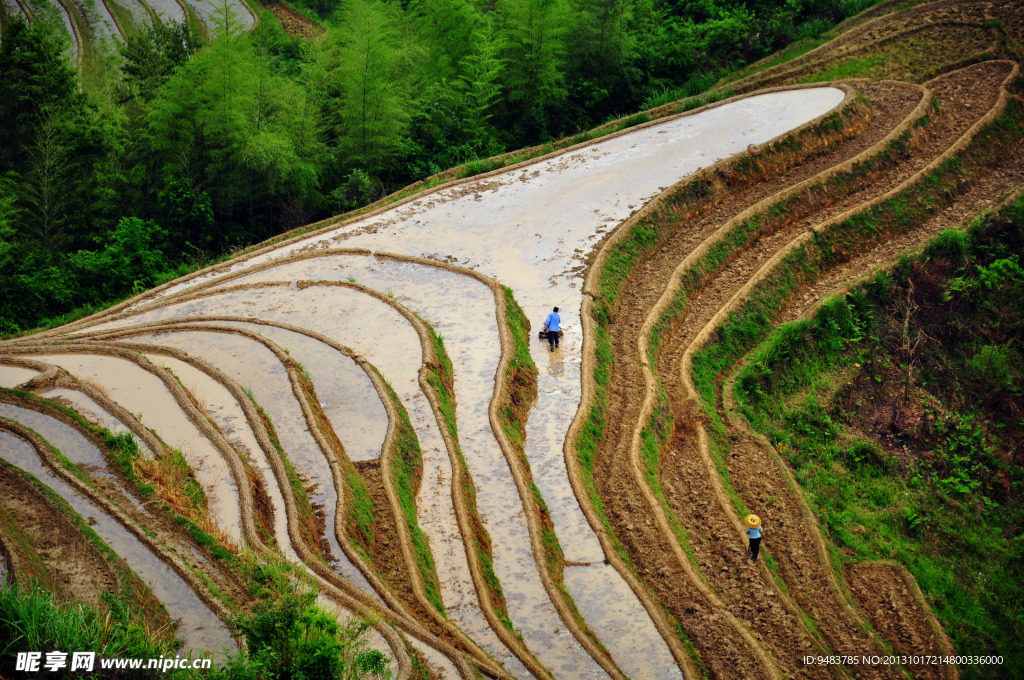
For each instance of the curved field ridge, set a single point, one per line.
(201, 630)
(94, 25)
(370, 399)
(556, 399)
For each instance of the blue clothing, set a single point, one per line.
(553, 322)
(754, 533)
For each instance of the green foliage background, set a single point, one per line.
(936, 485)
(181, 147)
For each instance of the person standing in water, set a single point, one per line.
(553, 325)
(753, 523)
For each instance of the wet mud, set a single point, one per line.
(199, 628)
(217, 402)
(12, 376)
(347, 395)
(255, 367)
(144, 394)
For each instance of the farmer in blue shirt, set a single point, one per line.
(753, 523)
(553, 325)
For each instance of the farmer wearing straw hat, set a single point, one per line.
(753, 523)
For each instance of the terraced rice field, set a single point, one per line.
(94, 25)
(369, 401)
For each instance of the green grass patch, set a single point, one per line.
(849, 481)
(442, 380)
(854, 67)
(309, 524)
(32, 620)
(407, 471)
(130, 603)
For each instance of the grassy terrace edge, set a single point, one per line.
(167, 480)
(407, 471)
(657, 432)
(442, 379)
(688, 201)
(745, 327)
(513, 411)
(839, 340)
(133, 604)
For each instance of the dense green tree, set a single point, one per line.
(459, 86)
(46, 188)
(8, 233)
(534, 57)
(169, 152)
(291, 639)
(226, 124)
(36, 80)
(150, 57)
(50, 137)
(373, 70)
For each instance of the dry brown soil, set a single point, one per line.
(648, 549)
(884, 595)
(963, 98)
(295, 25)
(386, 551)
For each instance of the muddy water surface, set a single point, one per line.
(100, 21)
(347, 395)
(610, 607)
(215, 400)
(441, 665)
(65, 438)
(255, 367)
(211, 13)
(526, 224)
(13, 9)
(142, 393)
(139, 14)
(533, 227)
(94, 413)
(12, 376)
(199, 628)
(434, 293)
(425, 290)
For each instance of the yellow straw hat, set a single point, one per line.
(753, 521)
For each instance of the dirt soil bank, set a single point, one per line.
(963, 97)
(891, 601)
(649, 549)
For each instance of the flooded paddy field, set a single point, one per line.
(87, 407)
(145, 395)
(439, 259)
(256, 368)
(198, 627)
